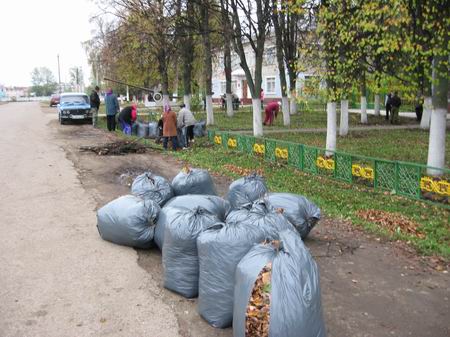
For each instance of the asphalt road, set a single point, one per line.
(57, 277)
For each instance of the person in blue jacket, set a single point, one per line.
(112, 108)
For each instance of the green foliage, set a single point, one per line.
(43, 81)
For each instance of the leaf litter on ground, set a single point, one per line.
(393, 222)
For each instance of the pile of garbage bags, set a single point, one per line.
(231, 252)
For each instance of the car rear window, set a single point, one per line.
(74, 99)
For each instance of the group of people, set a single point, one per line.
(178, 129)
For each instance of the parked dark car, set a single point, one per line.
(54, 100)
(74, 106)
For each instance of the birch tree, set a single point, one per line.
(250, 20)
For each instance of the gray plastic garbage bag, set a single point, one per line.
(142, 130)
(128, 221)
(200, 129)
(152, 186)
(245, 190)
(153, 130)
(220, 248)
(212, 203)
(179, 253)
(301, 212)
(193, 181)
(295, 301)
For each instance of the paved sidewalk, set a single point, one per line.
(355, 128)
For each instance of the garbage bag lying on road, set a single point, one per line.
(193, 181)
(301, 212)
(221, 247)
(179, 253)
(212, 203)
(245, 190)
(153, 130)
(128, 221)
(200, 129)
(142, 130)
(277, 289)
(151, 186)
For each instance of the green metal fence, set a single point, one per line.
(406, 179)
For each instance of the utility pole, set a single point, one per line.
(59, 76)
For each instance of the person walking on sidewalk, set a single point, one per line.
(127, 117)
(185, 123)
(388, 105)
(169, 128)
(112, 108)
(95, 105)
(396, 102)
(271, 110)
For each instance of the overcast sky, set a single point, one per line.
(34, 32)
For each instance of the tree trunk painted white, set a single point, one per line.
(187, 101)
(166, 100)
(363, 110)
(229, 100)
(285, 109)
(436, 144)
(209, 110)
(128, 94)
(331, 128)
(426, 117)
(257, 118)
(343, 124)
(293, 102)
(377, 104)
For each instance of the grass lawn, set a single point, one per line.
(336, 199)
(402, 145)
(243, 120)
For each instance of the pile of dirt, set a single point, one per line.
(393, 222)
(116, 148)
(258, 310)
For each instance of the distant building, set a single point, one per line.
(270, 74)
(16, 92)
(2, 91)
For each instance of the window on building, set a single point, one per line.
(223, 87)
(270, 85)
(269, 56)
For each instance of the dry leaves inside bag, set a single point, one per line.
(258, 310)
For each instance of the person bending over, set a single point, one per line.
(127, 117)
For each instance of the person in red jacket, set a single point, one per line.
(127, 117)
(271, 111)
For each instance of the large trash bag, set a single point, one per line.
(293, 283)
(212, 203)
(220, 248)
(179, 253)
(153, 131)
(193, 181)
(245, 190)
(200, 129)
(152, 186)
(301, 212)
(142, 130)
(128, 221)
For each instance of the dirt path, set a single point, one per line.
(57, 277)
(369, 288)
